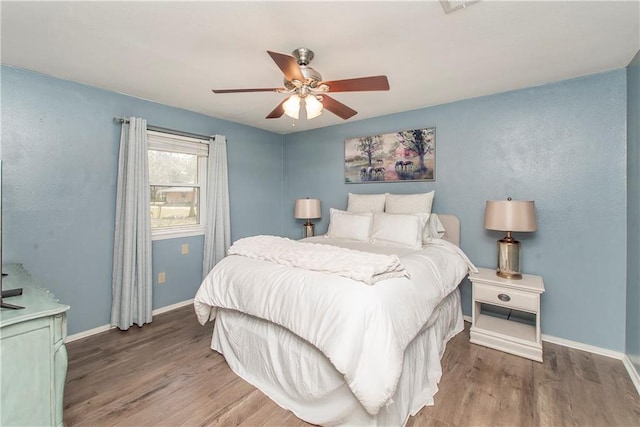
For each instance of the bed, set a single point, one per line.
(331, 348)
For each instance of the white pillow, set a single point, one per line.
(366, 202)
(346, 225)
(411, 204)
(435, 227)
(398, 229)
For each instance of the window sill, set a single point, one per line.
(175, 233)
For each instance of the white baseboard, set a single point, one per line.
(172, 307)
(104, 328)
(584, 347)
(631, 370)
(633, 373)
(90, 332)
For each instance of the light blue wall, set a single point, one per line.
(60, 149)
(633, 212)
(562, 145)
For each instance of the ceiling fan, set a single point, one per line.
(305, 83)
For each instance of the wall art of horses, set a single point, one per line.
(392, 157)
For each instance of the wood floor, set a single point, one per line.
(165, 374)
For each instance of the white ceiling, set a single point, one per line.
(174, 53)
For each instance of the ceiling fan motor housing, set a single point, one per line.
(303, 57)
(311, 76)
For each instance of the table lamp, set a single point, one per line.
(510, 215)
(307, 209)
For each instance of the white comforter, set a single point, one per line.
(362, 329)
(366, 267)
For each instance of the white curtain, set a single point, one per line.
(132, 276)
(217, 238)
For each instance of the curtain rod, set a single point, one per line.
(166, 130)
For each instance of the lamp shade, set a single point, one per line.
(510, 215)
(307, 209)
(292, 106)
(313, 106)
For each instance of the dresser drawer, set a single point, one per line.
(510, 298)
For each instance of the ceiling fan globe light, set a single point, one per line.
(313, 106)
(292, 106)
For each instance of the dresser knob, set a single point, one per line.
(504, 297)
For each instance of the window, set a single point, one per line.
(177, 180)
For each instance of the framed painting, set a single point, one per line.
(408, 155)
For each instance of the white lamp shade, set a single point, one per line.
(313, 106)
(292, 106)
(307, 209)
(510, 215)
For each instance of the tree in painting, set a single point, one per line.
(420, 141)
(369, 146)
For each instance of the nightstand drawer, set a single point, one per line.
(506, 297)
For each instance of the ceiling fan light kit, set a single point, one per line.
(305, 83)
(313, 106)
(292, 106)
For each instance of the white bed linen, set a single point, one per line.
(299, 378)
(363, 330)
(363, 266)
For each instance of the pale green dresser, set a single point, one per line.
(33, 356)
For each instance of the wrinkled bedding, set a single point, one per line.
(367, 267)
(363, 330)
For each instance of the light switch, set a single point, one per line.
(185, 248)
(161, 277)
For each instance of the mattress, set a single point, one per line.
(300, 378)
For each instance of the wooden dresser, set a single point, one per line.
(33, 355)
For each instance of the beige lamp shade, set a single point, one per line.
(307, 209)
(313, 106)
(291, 106)
(510, 215)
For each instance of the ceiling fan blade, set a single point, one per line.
(278, 111)
(266, 89)
(288, 65)
(337, 108)
(359, 85)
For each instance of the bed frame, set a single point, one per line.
(452, 224)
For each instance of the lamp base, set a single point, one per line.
(308, 230)
(509, 258)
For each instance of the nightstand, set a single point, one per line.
(507, 334)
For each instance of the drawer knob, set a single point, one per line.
(504, 297)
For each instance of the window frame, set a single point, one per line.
(163, 141)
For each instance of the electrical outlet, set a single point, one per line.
(185, 248)
(161, 277)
